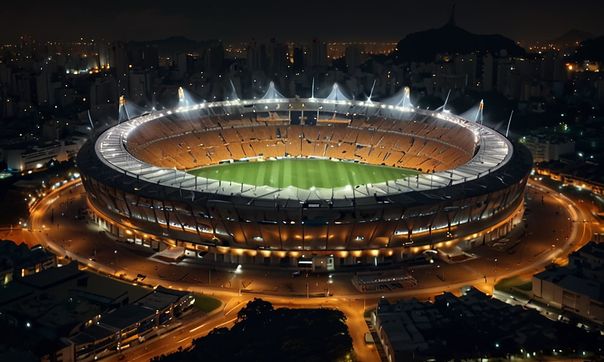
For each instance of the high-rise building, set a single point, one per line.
(353, 57)
(213, 57)
(277, 54)
(466, 66)
(298, 56)
(257, 57)
(488, 73)
(45, 88)
(146, 57)
(104, 97)
(317, 54)
(140, 83)
(122, 66)
(182, 62)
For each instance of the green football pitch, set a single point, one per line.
(302, 173)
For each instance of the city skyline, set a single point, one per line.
(335, 21)
(301, 181)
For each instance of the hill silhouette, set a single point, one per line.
(424, 46)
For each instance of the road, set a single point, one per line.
(182, 336)
(555, 226)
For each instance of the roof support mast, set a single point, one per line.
(507, 130)
(371, 91)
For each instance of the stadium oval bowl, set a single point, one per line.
(469, 190)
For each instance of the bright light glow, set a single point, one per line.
(111, 146)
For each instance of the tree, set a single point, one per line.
(263, 333)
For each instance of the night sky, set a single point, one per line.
(234, 20)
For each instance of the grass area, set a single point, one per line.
(516, 282)
(302, 173)
(205, 304)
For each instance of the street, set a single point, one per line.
(55, 223)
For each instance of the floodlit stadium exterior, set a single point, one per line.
(470, 190)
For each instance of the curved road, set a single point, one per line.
(556, 226)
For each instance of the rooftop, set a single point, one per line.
(62, 298)
(583, 275)
(19, 255)
(161, 298)
(91, 334)
(126, 316)
(473, 325)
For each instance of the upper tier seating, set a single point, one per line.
(427, 146)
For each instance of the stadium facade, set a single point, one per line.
(470, 189)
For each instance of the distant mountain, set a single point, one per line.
(591, 49)
(451, 39)
(571, 38)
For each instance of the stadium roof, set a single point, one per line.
(494, 151)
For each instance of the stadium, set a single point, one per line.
(318, 182)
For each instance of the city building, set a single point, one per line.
(87, 315)
(577, 288)
(578, 171)
(18, 261)
(27, 158)
(548, 146)
(130, 324)
(472, 326)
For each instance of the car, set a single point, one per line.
(297, 273)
